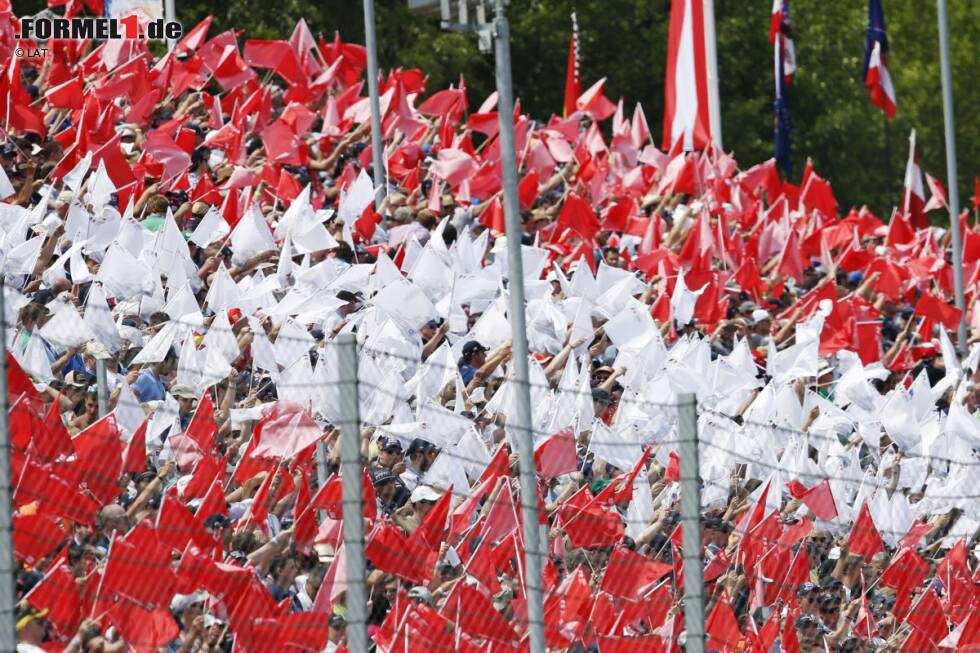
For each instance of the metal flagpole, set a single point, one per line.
(687, 429)
(102, 386)
(515, 286)
(8, 635)
(954, 192)
(377, 153)
(171, 15)
(353, 509)
(711, 54)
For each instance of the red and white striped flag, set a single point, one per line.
(879, 82)
(914, 196)
(573, 80)
(686, 111)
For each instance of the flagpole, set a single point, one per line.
(171, 15)
(711, 54)
(377, 155)
(515, 288)
(954, 192)
(8, 634)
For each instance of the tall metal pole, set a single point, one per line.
(8, 635)
(353, 508)
(954, 191)
(711, 54)
(102, 385)
(377, 147)
(687, 429)
(515, 272)
(170, 15)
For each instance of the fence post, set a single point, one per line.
(687, 428)
(103, 386)
(8, 635)
(353, 510)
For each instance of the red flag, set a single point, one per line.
(556, 455)
(577, 215)
(864, 539)
(392, 552)
(573, 82)
(431, 530)
(35, 537)
(286, 431)
(144, 630)
(18, 382)
(278, 56)
(527, 190)
(98, 461)
(929, 618)
(195, 37)
(722, 626)
(176, 526)
(68, 95)
(629, 574)
(55, 495)
(139, 568)
(591, 525)
(917, 531)
(61, 596)
(202, 428)
(287, 189)
(474, 613)
(593, 103)
(365, 225)
(501, 519)
(790, 262)
(820, 500)
(818, 196)
(258, 510)
(937, 199)
(493, 217)
(936, 309)
(305, 527)
(17, 110)
(679, 176)
(450, 102)
(134, 453)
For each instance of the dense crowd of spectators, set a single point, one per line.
(201, 226)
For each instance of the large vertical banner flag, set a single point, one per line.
(573, 80)
(781, 38)
(686, 113)
(876, 75)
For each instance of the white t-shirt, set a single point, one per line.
(24, 647)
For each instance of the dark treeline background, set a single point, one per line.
(625, 40)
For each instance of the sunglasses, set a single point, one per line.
(830, 610)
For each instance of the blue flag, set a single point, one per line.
(875, 34)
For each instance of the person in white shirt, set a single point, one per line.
(30, 629)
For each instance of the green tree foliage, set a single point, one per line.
(625, 40)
